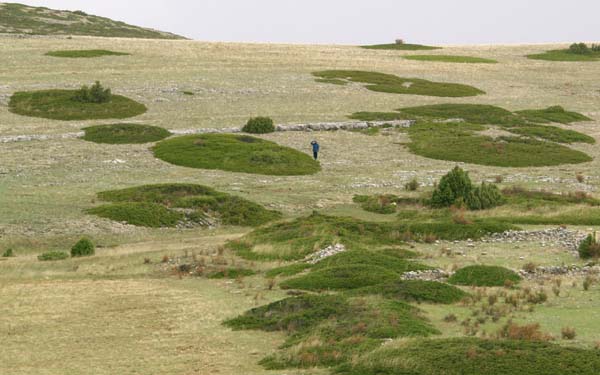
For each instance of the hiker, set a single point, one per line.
(315, 148)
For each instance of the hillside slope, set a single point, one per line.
(23, 19)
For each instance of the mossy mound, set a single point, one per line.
(389, 83)
(328, 330)
(481, 275)
(451, 59)
(416, 291)
(474, 356)
(296, 239)
(235, 153)
(471, 113)
(401, 47)
(62, 105)
(166, 205)
(88, 53)
(552, 114)
(344, 277)
(553, 134)
(124, 134)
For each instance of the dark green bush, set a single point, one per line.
(83, 248)
(259, 125)
(341, 277)
(481, 275)
(417, 291)
(94, 94)
(484, 197)
(8, 253)
(231, 273)
(53, 255)
(453, 186)
(589, 248)
(579, 48)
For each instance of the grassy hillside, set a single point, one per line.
(22, 19)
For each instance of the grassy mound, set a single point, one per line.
(553, 134)
(295, 239)
(552, 114)
(460, 143)
(483, 276)
(565, 55)
(341, 278)
(391, 261)
(389, 83)
(379, 116)
(87, 53)
(328, 330)
(235, 153)
(473, 356)
(52, 256)
(471, 113)
(380, 204)
(451, 59)
(401, 47)
(520, 196)
(232, 273)
(416, 291)
(125, 134)
(23, 19)
(289, 270)
(61, 105)
(166, 205)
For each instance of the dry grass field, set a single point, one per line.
(115, 313)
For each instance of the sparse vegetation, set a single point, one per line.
(451, 59)
(381, 204)
(575, 52)
(88, 53)
(8, 253)
(389, 83)
(401, 47)
(53, 255)
(235, 153)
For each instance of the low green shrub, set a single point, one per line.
(83, 248)
(484, 197)
(416, 291)
(589, 247)
(8, 253)
(53, 255)
(289, 270)
(231, 273)
(259, 125)
(481, 275)
(341, 277)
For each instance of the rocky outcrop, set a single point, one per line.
(563, 237)
(325, 253)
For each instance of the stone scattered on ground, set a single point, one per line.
(427, 275)
(325, 253)
(564, 270)
(563, 237)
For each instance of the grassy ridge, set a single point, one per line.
(235, 153)
(60, 105)
(389, 83)
(125, 134)
(23, 19)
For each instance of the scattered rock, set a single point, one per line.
(325, 253)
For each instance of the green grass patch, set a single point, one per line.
(231, 273)
(482, 114)
(344, 277)
(451, 59)
(482, 275)
(88, 53)
(388, 260)
(389, 83)
(416, 291)
(401, 47)
(565, 55)
(552, 114)
(333, 81)
(380, 204)
(235, 153)
(531, 198)
(166, 205)
(289, 270)
(459, 142)
(327, 330)
(379, 116)
(62, 105)
(124, 134)
(52, 256)
(587, 216)
(553, 134)
(296, 239)
(474, 356)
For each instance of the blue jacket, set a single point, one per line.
(315, 147)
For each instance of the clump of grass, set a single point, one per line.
(83, 248)
(165, 205)
(231, 273)
(552, 114)
(295, 239)
(481, 275)
(53, 255)
(575, 52)
(379, 116)
(416, 291)
(471, 356)
(328, 330)
(389, 83)
(124, 134)
(341, 278)
(235, 153)
(8, 253)
(60, 105)
(289, 270)
(568, 333)
(481, 114)
(88, 53)
(401, 47)
(259, 125)
(380, 204)
(589, 247)
(451, 59)
(518, 195)
(553, 134)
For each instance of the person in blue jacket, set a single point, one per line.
(315, 148)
